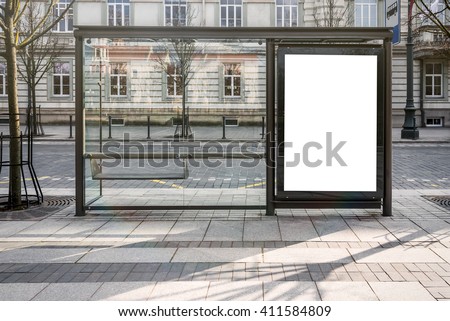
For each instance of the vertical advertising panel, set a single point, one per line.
(330, 107)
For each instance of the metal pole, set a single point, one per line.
(270, 140)
(70, 126)
(223, 128)
(387, 181)
(109, 126)
(263, 127)
(80, 196)
(409, 130)
(148, 127)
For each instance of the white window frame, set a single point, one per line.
(61, 75)
(115, 5)
(67, 21)
(3, 80)
(175, 6)
(233, 77)
(372, 6)
(236, 6)
(287, 7)
(174, 79)
(433, 77)
(436, 122)
(122, 68)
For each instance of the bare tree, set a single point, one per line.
(331, 14)
(177, 57)
(12, 13)
(37, 58)
(435, 12)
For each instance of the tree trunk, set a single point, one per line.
(15, 188)
(34, 123)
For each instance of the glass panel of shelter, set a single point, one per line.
(150, 142)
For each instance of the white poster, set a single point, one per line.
(330, 123)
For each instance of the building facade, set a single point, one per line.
(227, 80)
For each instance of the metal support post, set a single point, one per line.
(70, 126)
(270, 139)
(109, 126)
(263, 127)
(148, 127)
(223, 128)
(409, 130)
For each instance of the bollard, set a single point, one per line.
(109, 125)
(263, 127)
(223, 128)
(148, 127)
(70, 125)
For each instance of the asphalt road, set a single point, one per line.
(416, 166)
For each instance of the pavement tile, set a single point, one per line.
(113, 231)
(20, 291)
(225, 231)
(333, 229)
(39, 231)
(406, 231)
(76, 231)
(345, 291)
(400, 291)
(179, 291)
(39, 255)
(67, 292)
(150, 231)
(128, 255)
(235, 291)
(261, 231)
(218, 255)
(10, 228)
(370, 231)
(124, 291)
(290, 291)
(307, 256)
(187, 231)
(394, 255)
(443, 253)
(297, 229)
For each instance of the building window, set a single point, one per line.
(365, 13)
(437, 8)
(174, 80)
(175, 12)
(286, 13)
(230, 13)
(232, 80)
(61, 79)
(3, 79)
(66, 23)
(434, 122)
(118, 80)
(118, 12)
(433, 79)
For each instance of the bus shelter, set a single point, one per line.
(200, 118)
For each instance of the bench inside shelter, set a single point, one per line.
(131, 173)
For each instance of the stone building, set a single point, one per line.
(237, 83)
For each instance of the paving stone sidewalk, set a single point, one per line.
(232, 255)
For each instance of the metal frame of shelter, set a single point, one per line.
(380, 37)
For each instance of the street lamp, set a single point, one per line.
(409, 130)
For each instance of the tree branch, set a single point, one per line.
(432, 16)
(35, 35)
(17, 17)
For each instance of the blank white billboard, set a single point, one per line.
(330, 123)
